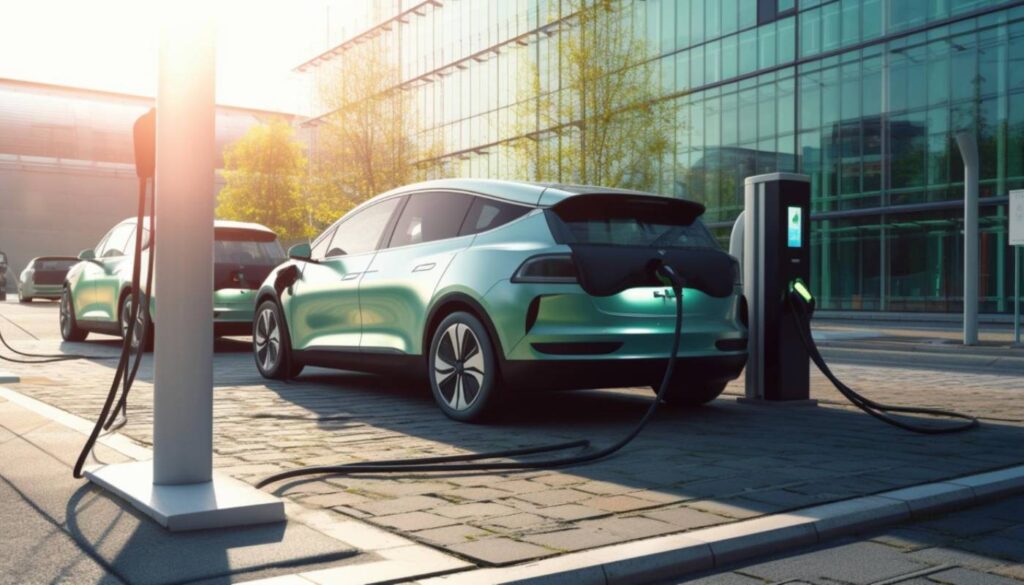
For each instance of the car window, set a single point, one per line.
(248, 252)
(116, 241)
(486, 214)
(431, 216)
(319, 248)
(362, 231)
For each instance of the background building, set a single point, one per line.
(67, 170)
(862, 95)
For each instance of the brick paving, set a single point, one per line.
(689, 469)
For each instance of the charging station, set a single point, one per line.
(179, 488)
(774, 236)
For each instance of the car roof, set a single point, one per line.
(218, 223)
(522, 192)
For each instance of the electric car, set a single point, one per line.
(480, 287)
(43, 278)
(96, 293)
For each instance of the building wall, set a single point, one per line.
(67, 166)
(864, 96)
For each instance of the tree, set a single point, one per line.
(264, 172)
(601, 120)
(367, 143)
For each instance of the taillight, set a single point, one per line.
(547, 268)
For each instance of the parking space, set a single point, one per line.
(689, 469)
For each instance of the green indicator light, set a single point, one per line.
(801, 288)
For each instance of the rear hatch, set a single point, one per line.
(243, 258)
(617, 239)
(51, 270)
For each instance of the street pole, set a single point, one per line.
(1016, 295)
(968, 144)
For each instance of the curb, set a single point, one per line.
(668, 557)
(8, 378)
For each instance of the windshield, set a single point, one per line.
(248, 252)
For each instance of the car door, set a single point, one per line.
(323, 306)
(115, 259)
(83, 282)
(399, 284)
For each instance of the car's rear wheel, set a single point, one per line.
(691, 392)
(143, 326)
(271, 346)
(69, 329)
(463, 368)
(23, 299)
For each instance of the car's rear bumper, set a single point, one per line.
(573, 374)
(43, 291)
(233, 311)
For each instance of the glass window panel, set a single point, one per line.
(810, 32)
(712, 62)
(964, 63)
(938, 9)
(830, 33)
(682, 23)
(787, 153)
(850, 18)
(871, 88)
(766, 50)
(938, 72)
(713, 19)
(786, 39)
(871, 19)
(766, 111)
(850, 94)
(748, 114)
(668, 26)
(905, 14)
(683, 70)
(785, 5)
(730, 56)
(730, 110)
(830, 100)
(712, 123)
(747, 13)
(697, 21)
(730, 16)
(1015, 48)
(668, 73)
(697, 66)
(786, 105)
(810, 101)
(908, 143)
(748, 51)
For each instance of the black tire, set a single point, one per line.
(274, 360)
(142, 321)
(462, 367)
(69, 329)
(690, 393)
(22, 299)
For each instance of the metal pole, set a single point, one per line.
(969, 152)
(183, 358)
(1016, 295)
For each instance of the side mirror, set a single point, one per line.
(87, 254)
(300, 252)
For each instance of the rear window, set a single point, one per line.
(634, 221)
(248, 252)
(54, 264)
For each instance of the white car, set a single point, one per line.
(43, 278)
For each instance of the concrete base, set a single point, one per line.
(776, 403)
(221, 503)
(8, 378)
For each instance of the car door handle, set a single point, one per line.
(351, 276)
(424, 267)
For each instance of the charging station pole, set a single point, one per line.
(776, 250)
(179, 488)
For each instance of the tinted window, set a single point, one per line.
(431, 216)
(488, 214)
(639, 232)
(319, 249)
(53, 264)
(362, 231)
(248, 252)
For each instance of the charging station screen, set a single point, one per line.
(795, 219)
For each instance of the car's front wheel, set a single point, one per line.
(683, 392)
(463, 368)
(143, 329)
(271, 346)
(69, 329)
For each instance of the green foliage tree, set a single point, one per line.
(599, 120)
(264, 173)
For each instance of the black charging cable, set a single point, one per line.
(126, 370)
(800, 308)
(46, 358)
(466, 462)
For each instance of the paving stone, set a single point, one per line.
(476, 494)
(860, 562)
(554, 497)
(617, 503)
(518, 521)
(686, 518)
(474, 510)
(449, 535)
(941, 555)
(961, 576)
(501, 551)
(399, 505)
(998, 547)
(412, 521)
(570, 512)
(521, 486)
(334, 499)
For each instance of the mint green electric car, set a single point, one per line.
(96, 293)
(481, 287)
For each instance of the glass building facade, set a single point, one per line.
(864, 96)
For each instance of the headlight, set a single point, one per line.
(548, 268)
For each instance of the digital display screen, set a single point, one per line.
(794, 217)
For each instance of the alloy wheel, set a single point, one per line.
(459, 368)
(140, 321)
(267, 338)
(65, 313)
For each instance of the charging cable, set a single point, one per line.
(466, 462)
(801, 304)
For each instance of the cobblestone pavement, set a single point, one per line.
(980, 546)
(689, 469)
